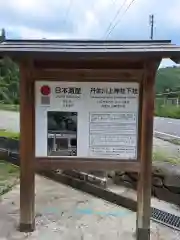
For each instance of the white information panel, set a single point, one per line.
(86, 119)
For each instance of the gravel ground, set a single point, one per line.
(65, 213)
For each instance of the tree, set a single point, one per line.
(3, 35)
(9, 82)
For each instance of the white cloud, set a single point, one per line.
(90, 19)
(24, 5)
(173, 15)
(29, 33)
(166, 63)
(91, 22)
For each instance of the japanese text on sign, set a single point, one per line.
(101, 118)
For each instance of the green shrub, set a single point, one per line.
(4, 133)
(167, 111)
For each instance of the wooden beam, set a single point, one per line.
(27, 175)
(144, 182)
(88, 75)
(176, 59)
(85, 164)
(90, 64)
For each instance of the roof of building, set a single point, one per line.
(89, 48)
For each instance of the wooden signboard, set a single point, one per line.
(87, 105)
(95, 123)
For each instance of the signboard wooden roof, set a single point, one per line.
(61, 49)
(104, 107)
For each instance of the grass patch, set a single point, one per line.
(159, 156)
(7, 169)
(167, 111)
(7, 134)
(9, 175)
(175, 141)
(9, 107)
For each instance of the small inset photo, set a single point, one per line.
(62, 133)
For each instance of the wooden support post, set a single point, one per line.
(144, 182)
(27, 193)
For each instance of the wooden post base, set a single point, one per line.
(27, 227)
(142, 234)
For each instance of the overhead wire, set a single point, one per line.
(110, 31)
(115, 17)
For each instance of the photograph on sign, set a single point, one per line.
(62, 133)
(87, 119)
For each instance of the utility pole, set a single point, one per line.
(151, 22)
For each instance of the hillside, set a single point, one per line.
(167, 78)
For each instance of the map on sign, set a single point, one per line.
(86, 119)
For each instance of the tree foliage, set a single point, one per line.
(168, 79)
(9, 82)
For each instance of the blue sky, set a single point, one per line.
(89, 19)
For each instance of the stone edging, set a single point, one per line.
(165, 182)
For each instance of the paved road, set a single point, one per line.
(10, 121)
(167, 125)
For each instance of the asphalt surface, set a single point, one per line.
(10, 121)
(167, 125)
